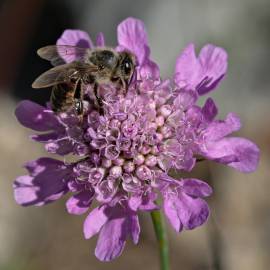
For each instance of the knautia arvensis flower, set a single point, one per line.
(124, 155)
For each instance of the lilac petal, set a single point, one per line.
(134, 202)
(144, 201)
(196, 188)
(186, 70)
(204, 73)
(78, 204)
(24, 192)
(150, 70)
(36, 117)
(112, 152)
(76, 38)
(185, 99)
(171, 212)
(132, 35)
(106, 189)
(209, 110)
(187, 164)
(27, 195)
(47, 182)
(194, 116)
(227, 159)
(112, 239)
(165, 177)
(44, 138)
(94, 221)
(98, 143)
(38, 166)
(219, 129)
(193, 212)
(213, 63)
(181, 205)
(246, 152)
(74, 186)
(61, 147)
(135, 228)
(96, 175)
(100, 40)
(148, 202)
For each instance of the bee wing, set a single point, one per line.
(53, 76)
(63, 73)
(57, 53)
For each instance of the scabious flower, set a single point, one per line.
(123, 156)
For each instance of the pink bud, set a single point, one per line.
(143, 172)
(106, 163)
(129, 166)
(116, 171)
(165, 110)
(151, 161)
(139, 159)
(160, 120)
(166, 132)
(119, 161)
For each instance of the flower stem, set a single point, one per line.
(160, 230)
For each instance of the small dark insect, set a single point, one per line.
(94, 67)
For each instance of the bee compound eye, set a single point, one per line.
(126, 66)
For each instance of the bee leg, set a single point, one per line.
(99, 99)
(79, 106)
(78, 98)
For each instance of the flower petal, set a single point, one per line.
(181, 205)
(149, 70)
(62, 146)
(131, 35)
(134, 228)
(209, 110)
(187, 70)
(24, 192)
(47, 182)
(94, 221)
(213, 64)
(219, 129)
(185, 99)
(246, 153)
(171, 212)
(193, 212)
(36, 117)
(100, 40)
(44, 138)
(135, 201)
(196, 188)
(35, 167)
(112, 239)
(78, 204)
(76, 38)
(204, 73)
(148, 201)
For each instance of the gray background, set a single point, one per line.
(237, 236)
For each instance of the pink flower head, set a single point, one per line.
(124, 156)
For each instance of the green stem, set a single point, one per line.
(160, 230)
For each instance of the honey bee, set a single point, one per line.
(91, 67)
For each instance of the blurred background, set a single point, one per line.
(237, 235)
